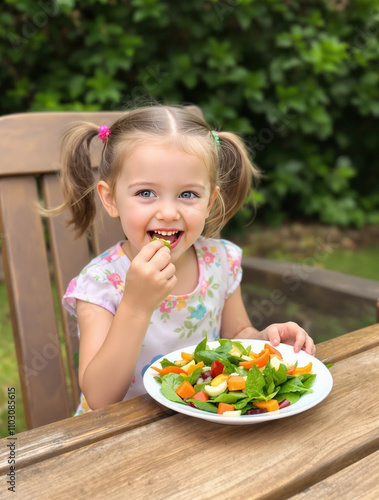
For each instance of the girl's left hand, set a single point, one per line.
(289, 333)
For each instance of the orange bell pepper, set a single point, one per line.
(185, 390)
(187, 357)
(261, 360)
(236, 383)
(273, 351)
(223, 407)
(169, 369)
(303, 370)
(192, 368)
(270, 405)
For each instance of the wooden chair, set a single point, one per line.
(37, 252)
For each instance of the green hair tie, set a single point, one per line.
(216, 136)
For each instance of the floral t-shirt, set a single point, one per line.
(180, 321)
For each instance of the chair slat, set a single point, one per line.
(44, 132)
(31, 303)
(70, 255)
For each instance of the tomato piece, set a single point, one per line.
(291, 369)
(273, 351)
(216, 369)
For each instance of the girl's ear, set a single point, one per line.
(107, 199)
(212, 199)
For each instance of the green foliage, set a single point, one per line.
(298, 80)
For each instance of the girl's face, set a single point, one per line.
(160, 190)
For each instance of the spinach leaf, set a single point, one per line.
(169, 383)
(308, 380)
(293, 384)
(254, 384)
(230, 397)
(292, 397)
(165, 362)
(192, 378)
(280, 375)
(200, 347)
(269, 375)
(224, 347)
(200, 387)
(239, 405)
(203, 405)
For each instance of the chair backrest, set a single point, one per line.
(37, 252)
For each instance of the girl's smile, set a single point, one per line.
(161, 192)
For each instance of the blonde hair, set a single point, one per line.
(228, 162)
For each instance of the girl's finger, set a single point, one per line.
(300, 339)
(309, 346)
(273, 336)
(148, 251)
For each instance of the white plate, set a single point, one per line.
(321, 386)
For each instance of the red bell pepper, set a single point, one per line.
(216, 369)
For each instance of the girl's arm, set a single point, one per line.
(236, 325)
(110, 345)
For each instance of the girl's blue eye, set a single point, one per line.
(188, 195)
(145, 193)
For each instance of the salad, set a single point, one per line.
(232, 380)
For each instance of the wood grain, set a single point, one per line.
(60, 437)
(360, 480)
(273, 460)
(334, 350)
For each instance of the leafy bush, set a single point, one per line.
(298, 79)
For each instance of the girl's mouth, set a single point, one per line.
(173, 238)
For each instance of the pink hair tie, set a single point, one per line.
(104, 132)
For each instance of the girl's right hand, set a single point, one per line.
(150, 277)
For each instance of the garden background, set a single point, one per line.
(298, 80)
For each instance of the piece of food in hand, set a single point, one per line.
(167, 243)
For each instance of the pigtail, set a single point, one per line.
(237, 174)
(77, 178)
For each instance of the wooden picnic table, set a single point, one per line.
(136, 449)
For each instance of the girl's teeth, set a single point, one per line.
(166, 233)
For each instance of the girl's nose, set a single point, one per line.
(168, 211)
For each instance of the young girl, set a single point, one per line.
(164, 173)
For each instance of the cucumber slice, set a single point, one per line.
(167, 243)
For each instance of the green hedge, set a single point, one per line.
(299, 79)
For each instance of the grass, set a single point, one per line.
(363, 263)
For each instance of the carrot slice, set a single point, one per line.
(185, 390)
(223, 407)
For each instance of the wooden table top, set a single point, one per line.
(137, 450)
